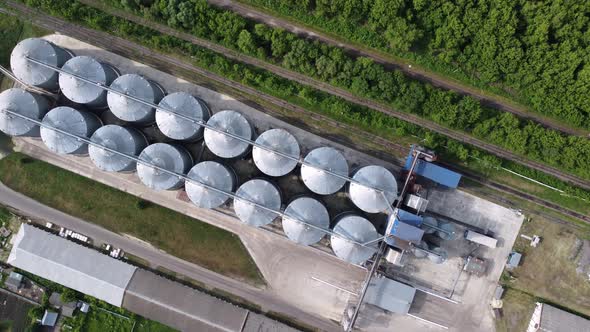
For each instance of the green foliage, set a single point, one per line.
(536, 50)
(69, 295)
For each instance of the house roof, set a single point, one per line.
(14, 279)
(390, 295)
(70, 264)
(551, 319)
(49, 318)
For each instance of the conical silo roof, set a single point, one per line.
(222, 145)
(318, 181)
(176, 127)
(354, 228)
(122, 139)
(32, 73)
(139, 87)
(311, 211)
(271, 163)
(365, 197)
(72, 121)
(212, 174)
(258, 191)
(24, 103)
(81, 92)
(167, 156)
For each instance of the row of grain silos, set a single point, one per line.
(167, 166)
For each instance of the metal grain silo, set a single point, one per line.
(70, 120)
(258, 191)
(310, 211)
(139, 87)
(317, 180)
(126, 140)
(170, 157)
(349, 228)
(213, 174)
(365, 197)
(271, 163)
(82, 92)
(176, 127)
(35, 74)
(24, 103)
(223, 145)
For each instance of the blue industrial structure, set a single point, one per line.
(433, 172)
(409, 218)
(401, 230)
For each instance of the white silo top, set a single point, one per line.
(24, 103)
(72, 121)
(79, 91)
(222, 145)
(166, 156)
(212, 174)
(319, 181)
(176, 127)
(32, 73)
(122, 139)
(308, 210)
(368, 199)
(271, 163)
(130, 110)
(262, 192)
(354, 228)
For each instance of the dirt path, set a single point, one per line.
(412, 71)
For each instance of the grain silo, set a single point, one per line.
(35, 74)
(223, 145)
(72, 121)
(139, 87)
(353, 230)
(212, 174)
(317, 180)
(169, 157)
(271, 163)
(429, 225)
(126, 140)
(261, 192)
(82, 92)
(176, 127)
(308, 210)
(366, 195)
(24, 103)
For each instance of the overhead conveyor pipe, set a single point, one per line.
(179, 175)
(203, 124)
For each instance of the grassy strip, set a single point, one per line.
(177, 234)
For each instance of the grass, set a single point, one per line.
(517, 310)
(175, 233)
(4, 215)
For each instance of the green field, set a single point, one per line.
(177, 234)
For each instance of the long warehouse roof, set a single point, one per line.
(70, 264)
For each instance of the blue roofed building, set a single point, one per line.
(433, 172)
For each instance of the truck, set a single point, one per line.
(485, 240)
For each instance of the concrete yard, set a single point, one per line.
(300, 276)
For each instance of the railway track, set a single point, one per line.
(344, 94)
(182, 69)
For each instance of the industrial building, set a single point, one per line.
(547, 318)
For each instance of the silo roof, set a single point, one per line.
(311, 211)
(222, 145)
(117, 138)
(365, 197)
(165, 156)
(258, 191)
(24, 103)
(176, 127)
(319, 181)
(271, 163)
(358, 229)
(77, 90)
(71, 121)
(29, 72)
(212, 174)
(127, 109)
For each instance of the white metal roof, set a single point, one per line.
(262, 192)
(24, 103)
(354, 228)
(311, 211)
(271, 163)
(32, 73)
(390, 295)
(368, 199)
(317, 180)
(70, 264)
(175, 126)
(231, 122)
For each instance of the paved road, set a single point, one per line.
(414, 71)
(33, 209)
